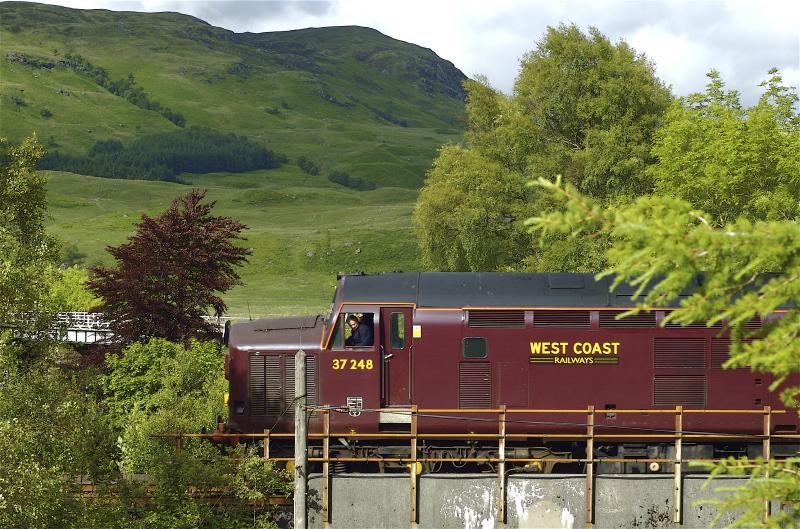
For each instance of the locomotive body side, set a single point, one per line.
(448, 342)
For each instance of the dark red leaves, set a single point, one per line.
(170, 272)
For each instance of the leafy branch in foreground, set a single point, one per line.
(660, 245)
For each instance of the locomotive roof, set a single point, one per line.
(487, 289)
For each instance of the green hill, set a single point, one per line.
(303, 229)
(347, 98)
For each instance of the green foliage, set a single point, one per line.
(468, 211)
(69, 291)
(51, 431)
(166, 155)
(731, 161)
(161, 387)
(661, 244)
(768, 479)
(26, 251)
(153, 376)
(344, 178)
(307, 166)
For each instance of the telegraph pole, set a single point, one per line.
(300, 440)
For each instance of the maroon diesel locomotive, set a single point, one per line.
(468, 341)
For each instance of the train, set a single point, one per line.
(540, 346)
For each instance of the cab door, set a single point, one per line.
(396, 349)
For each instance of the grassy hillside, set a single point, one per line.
(349, 98)
(303, 229)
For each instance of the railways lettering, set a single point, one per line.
(524, 341)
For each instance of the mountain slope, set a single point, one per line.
(349, 98)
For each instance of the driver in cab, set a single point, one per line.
(361, 334)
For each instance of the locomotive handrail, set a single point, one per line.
(678, 435)
(546, 410)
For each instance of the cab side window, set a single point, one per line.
(353, 329)
(397, 330)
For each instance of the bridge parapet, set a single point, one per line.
(91, 327)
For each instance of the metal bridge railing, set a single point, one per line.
(676, 436)
(90, 327)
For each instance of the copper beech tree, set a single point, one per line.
(170, 272)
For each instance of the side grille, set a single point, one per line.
(643, 320)
(572, 319)
(272, 384)
(508, 319)
(720, 351)
(679, 352)
(311, 383)
(679, 390)
(288, 385)
(272, 377)
(474, 385)
(258, 396)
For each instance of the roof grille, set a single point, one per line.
(508, 319)
(679, 352)
(720, 351)
(573, 319)
(474, 385)
(693, 325)
(679, 390)
(642, 320)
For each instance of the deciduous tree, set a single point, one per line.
(466, 213)
(170, 272)
(26, 251)
(582, 107)
(729, 160)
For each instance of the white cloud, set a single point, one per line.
(741, 39)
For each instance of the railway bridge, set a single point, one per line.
(91, 327)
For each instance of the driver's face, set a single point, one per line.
(353, 324)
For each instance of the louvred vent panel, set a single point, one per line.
(258, 396)
(679, 390)
(642, 320)
(474, 385)
(506, 319)
(272, 384)
(679, 352)
(311, 383)
(695, 325)
(720, 351)
(272, 369)
(572, 319)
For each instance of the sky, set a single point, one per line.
(685, 39)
